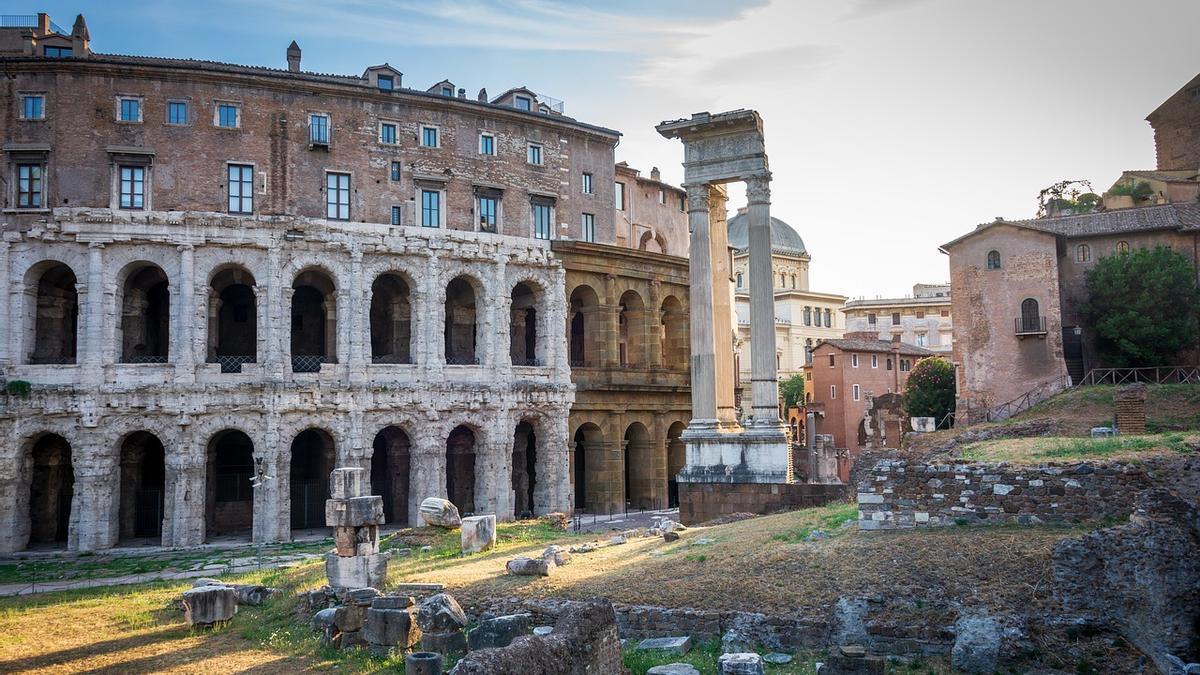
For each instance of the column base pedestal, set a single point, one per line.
(717, 454)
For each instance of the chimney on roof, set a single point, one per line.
(43, 26)
(293, 57)
(462, 93)
(482, 96)
(81, 39)
(654, 174)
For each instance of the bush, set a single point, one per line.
(929, 391)
(792, 390)
(18, 388)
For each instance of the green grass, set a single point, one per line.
(1076, 449)
(828, 522)
(703, 657)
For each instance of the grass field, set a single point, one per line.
(1067, 449)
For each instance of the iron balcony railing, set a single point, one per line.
(581, 363)
(308, 363)
(231, 364)
(526, 362)
(1030, 325)
(462, 361)
(145, 358)
(52, 360)
(27, 21)
(1148, 375)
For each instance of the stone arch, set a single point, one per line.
(462, 320)
(312, 457)
(673, 331)
(232, 318)
(392, 318)
(654, 242)
(632, 329)
(53, 307)
(639, 468)
(314, 320)
(229, 495)
(461, 449)
(526, 314)
(586, 341)
(676, 460)
(142, 490)
(391, 462)
(145, 313)
(51, 489)
(587, 461)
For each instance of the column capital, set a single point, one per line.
(697, 196)
(758, 189)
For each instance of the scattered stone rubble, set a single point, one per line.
(440, 513)
(209, 601)
(355, 518)
(584, 642)
(851, 660)
(366, 619)
(478, 534)
(442, 621)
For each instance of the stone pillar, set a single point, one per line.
(700, 300)
(433, 320)
(427, 471)
(654, 330)
(497, 319)
(93, 525)
(358, 309)
(6, 319)
(273, 317)
(272, 502)
(493, 472)
(284, 337)
(93, 314)
(722, 310)
(14, 491)
(763, 374)
(552, 484)
(183, 336)
(185, 487)
(610, 324)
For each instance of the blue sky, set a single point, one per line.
(892, 125)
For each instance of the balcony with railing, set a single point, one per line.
(231, 364)
(1029, 326)
(308, 363)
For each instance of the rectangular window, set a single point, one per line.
(831, 360)
(541, 221)
(131, 110)
(133, 187)
(587, 183)
(447, 91)
(33, 107)
(431, 208)
(662, 196)
(385, 82)
(895, 318)
(682, 204)
(488, 207)
(29, 186)
(620, 196)
(945, 312)
(387, 133)
(874, 360)
(829, 318)
(241, 188)
(58, 52)
(535, 154)
(920, 339)
(177, 113)
(920, 314)
(227, 116)
(870, 319)
(429, 137)
(889, 363)
(395, 215)
(833, 391)
(337, 196)
(589, 227)
(855, 392)
(522, 103)
(854, 360)
(318, 129)
(487, 144)
(395, 175)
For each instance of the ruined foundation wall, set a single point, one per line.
(701, 502)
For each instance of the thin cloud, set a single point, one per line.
(770, 65)
(866, 9)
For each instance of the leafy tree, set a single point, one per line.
(1143, 305)
(929, 391)
(792, 390)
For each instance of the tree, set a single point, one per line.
(1142, 305)
(929, 391)
(793, 391)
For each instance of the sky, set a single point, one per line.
(892, 126)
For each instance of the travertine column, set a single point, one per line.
(183, 336)
(700, 299)
(94, 503)
(427, 472)
(722, 311)
(763, 374)
(275, 319)
(185, 486)
(5, 302)
(94, 314)
(654, 332)
(272, 500)
(358, 308)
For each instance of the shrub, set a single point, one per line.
(929, 391)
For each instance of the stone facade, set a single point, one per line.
(1176, 126)
(922, 319)
(650, 215)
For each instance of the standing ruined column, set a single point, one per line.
(763, 375)
(700, 299)
(722, 307)
(273, 316)
(93, 358)
(6, 357)
(185, 486)
(94, 503)
(427, 472)
(358, 308)
(183, 337)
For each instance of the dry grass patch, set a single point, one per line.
(1063, 449)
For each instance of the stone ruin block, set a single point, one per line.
(207, 605)
(354, 512)
(356, 571)
(499, 632)
(348, 483)
(348, 541)
(391, 628)
(439, 512)
(441, 621)
(478, 533)
(745, 663)
(530, 567)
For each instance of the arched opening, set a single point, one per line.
(524, 474)
(586, 460)
(391, 320)
(51, 488)
(461, 323)
(460, 469)
(229, 503)
(390, 462)
(1030, 319)
(676, 459)
(584, 338)
(56, 317)
(639, 468)
(993, 260)
(145, 316)
(523, 346)
(143, 479)
(631, 326)
(674, 334)
(232, 320)
(313, 458)
(314, 322)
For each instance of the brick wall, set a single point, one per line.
(900, 494)
(701, 502)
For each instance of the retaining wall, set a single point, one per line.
(701, 502)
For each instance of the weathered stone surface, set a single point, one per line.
(444, 642)
(558, 554)
(423, 663)
(849, 621)
(391, 627)
(361, 596)
(674, 645)
(350, 617)
(852, 660)
(498, 632)
(777, 659)
(530, 567)
(348, 483)
(670, 536)
(362, 540)
(586, 547)
(584, 642)
(356, 571)
(543, 630)
(478, 533)
(746, 663)
(1142, 579)
(441, 612)
(323, 623)
(354, 512)
(206, 605)
(393, 602)
(440, 512)
(673, 669)
(977, 645)
(617, 539)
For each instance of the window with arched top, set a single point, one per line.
(739, 279)
(1031, 321)
(993, 260)
(1083, 253)
(1122, 247)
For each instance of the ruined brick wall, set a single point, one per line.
(701, 502)
(901, 494)
(1177, 129)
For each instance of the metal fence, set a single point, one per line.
(308, 364)
(232, 364)
(1152, 375)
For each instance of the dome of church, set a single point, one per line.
(784, 239)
